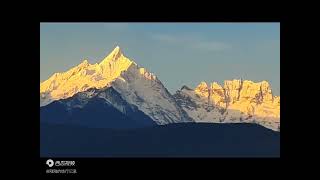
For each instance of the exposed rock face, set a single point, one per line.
(237, 101)
(136, 85)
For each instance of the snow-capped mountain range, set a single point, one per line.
(135, 84)
(83, 77)
(238, 101)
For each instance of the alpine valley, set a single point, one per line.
(116, 100)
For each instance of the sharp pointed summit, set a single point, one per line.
(116, 51)
(114, 55)
(236, 101)
(86, 75)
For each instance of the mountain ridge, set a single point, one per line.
(235, 101)
(84, 76)
(172, 140)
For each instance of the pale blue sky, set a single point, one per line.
(178, 53)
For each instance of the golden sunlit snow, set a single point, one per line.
(237, 98)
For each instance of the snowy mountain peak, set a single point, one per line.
(215, 86)
(202, 89)
(237, 101)
(114, 55)
(135, 84)
(83, 77)
(85, 62)
(142, 88)
(202, 85)
(116, 51)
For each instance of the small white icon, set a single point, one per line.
(50, 162)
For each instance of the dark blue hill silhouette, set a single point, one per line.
(174, 140)
(95, 111)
